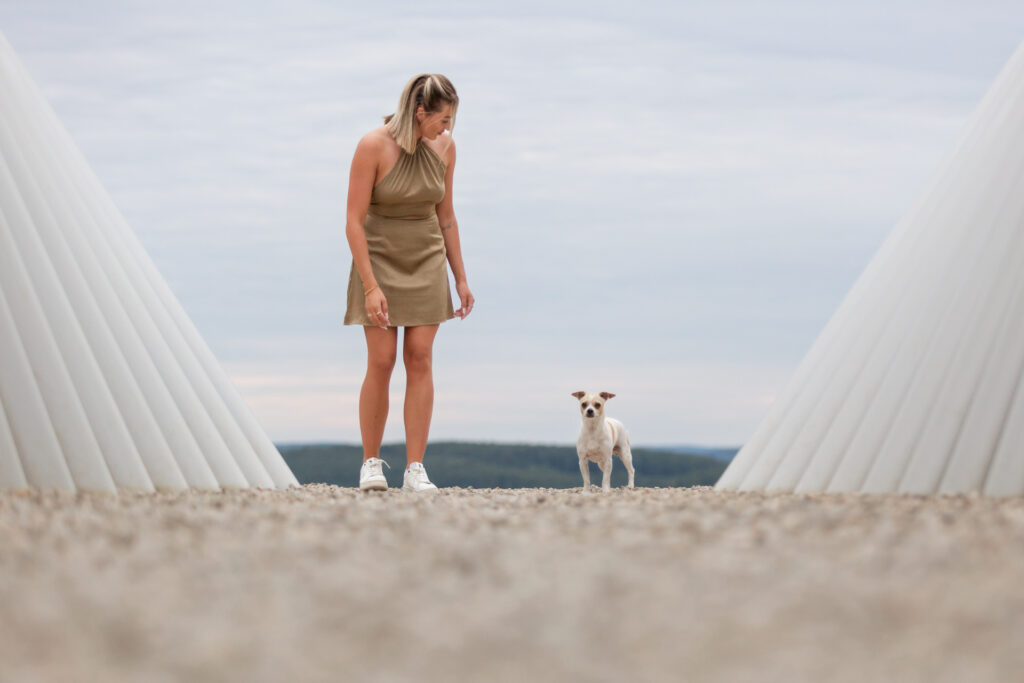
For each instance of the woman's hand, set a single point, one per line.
(377, 308)
(466, 298)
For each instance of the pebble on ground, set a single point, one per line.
(326, 583)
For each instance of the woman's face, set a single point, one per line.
(432, 125)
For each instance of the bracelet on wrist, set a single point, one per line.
(370, 290)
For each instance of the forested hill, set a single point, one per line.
(490, 465)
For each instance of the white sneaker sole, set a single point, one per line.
(373, 485)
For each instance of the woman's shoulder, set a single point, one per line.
(377, 139)
(444, 145)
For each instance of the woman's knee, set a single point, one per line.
(417, 360)
(381, 361)
(381, 350)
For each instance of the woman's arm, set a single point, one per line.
(450, 232)
(360, 186)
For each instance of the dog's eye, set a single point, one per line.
(597, 405)
(584, 404)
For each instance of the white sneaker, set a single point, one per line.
(371, 475)
(416, 479)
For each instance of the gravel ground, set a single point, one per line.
(326, 583)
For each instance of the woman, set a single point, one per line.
(401, 227)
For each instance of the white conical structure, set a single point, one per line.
(105, 384)
(915, 384)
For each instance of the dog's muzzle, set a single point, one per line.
(590, 412)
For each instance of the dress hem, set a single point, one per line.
(402, 324)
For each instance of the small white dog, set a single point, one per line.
(601, 437)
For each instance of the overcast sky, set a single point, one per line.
(662, 200)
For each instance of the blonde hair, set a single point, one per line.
(432, 91)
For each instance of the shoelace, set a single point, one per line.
(371, 463)
(420, 473)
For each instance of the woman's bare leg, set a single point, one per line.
(418, 352)
(381, 350)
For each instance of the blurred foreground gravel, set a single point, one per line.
(323, 583)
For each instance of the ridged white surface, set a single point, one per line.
(915, 384)
(105, 384)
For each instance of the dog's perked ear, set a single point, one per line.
(605, 395)
(579, 394)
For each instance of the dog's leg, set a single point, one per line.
(627, 459)
(606, 474)
(585, 471)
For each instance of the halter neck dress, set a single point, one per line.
(407, 251)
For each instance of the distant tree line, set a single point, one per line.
(490, 465)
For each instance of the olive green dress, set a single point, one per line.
(407, 251)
